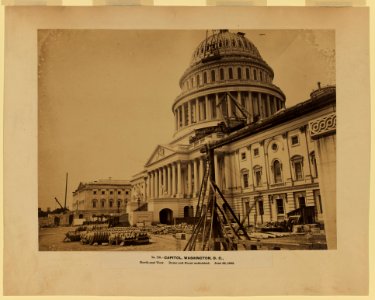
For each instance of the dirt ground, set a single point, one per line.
(52, 239)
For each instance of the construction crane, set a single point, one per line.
(63, 208)
(214, 228)
(233, 122)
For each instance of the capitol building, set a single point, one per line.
(272, 159)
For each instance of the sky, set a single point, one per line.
(105, 96)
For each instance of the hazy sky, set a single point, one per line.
(105, 96)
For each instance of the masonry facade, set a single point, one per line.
(272, 168)
(104, 196)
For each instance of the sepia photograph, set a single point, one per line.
(186, 140)
(187, 151)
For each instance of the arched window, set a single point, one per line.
(111, 203)
(297, 164)
(198, 80)
(118, 202)
(205, 77)
(239, 73)
(94, 203)
(213, 76)
(261, 75)
(230, 71)
(102, 203)
(221, 74)
(255, 74)
(247, 73)
(276, 166)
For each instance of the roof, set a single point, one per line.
(283, 116)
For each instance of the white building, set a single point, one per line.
(274, 159)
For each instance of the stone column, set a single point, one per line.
(189, 177)
(208, 110)
(229, 104)
(197, 116)
(195, 177)
(227, 169)
(156, 186)
(260, 107)
(169, 181)
(251, 108)
(179, 181)
(178, 117)
(323, 131)
(173, 179)
(201, 162)
(216, 104)
(217, 171)
(274, 103)
(165, 183)
(183, 114)
(268, 105)
(151, 185)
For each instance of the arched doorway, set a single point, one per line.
(71, 219)
(166, 216)
(56, 221)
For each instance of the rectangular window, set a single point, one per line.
(256, 151)
(295, 140)
(301, 201)
(221, 74)
(258, 177)
(247, 73)
(230, 71)
(261, 208)
(103, 192)
(298, 170)
(119, 192)
(111, 192)
(280, 206)
(245, 180)
(94, 192)
(243, 155)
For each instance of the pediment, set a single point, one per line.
(160, 153)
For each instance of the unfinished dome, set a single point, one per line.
(225, 64)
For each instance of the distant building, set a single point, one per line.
(104, 196)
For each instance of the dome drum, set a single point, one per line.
(235, 68)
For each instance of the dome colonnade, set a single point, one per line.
(237, 69)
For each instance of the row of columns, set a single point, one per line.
(169, 180)
(252, 102)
